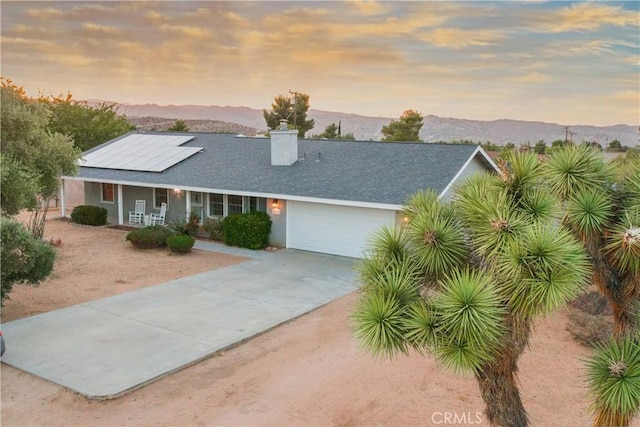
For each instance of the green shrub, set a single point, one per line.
(89, 215)
(180, 243)
(248, 230)
(25, 259)
(154, 236)
(213, 226)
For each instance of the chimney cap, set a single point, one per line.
(283, 124)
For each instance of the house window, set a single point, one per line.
(107, 193)
(216, 205)
(160, 195)
(252, 204)
(234, 204)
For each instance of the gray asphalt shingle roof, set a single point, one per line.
(375, 172)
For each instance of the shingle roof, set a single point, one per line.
(375, 172)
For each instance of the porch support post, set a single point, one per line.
(120, 206)
(188, 204)
(63, 208)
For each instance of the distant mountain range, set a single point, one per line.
(249, 121)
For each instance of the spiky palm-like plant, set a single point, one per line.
(465, 280)
(613, 375)
(601, 204)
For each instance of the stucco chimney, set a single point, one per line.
(284, 145)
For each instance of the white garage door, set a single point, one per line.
(333, 229)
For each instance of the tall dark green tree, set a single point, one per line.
(330, 132)
(293, 110)
(88, 126)
(407, 128)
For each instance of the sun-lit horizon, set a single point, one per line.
(558, 62)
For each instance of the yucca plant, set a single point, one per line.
(601, 202)
(613, 375)
(473, 276)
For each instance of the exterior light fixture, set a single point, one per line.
(275, 207)
(176, 190)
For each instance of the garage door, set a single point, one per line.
(332, 229)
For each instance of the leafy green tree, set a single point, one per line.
(294, 112)
(88, 126)
(179, 126)
(540, 147)
(615, 146)
(34, 157)
(466, 280)
(330, 132)
(25, 259)
(407, 128)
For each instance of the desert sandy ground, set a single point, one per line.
(309, 371)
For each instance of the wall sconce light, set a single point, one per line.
(275, 207)
(405, 219)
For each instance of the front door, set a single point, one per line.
(196, 204)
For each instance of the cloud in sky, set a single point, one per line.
(562, 62)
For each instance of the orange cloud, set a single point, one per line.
(588, 16)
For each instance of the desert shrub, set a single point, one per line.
(590, 320)
(154, 236)
(193, 225)
(592, 302)
(248, 230)
(25, 259)
(180, 243)
(189, 228)
(89, 215)
(213, 227)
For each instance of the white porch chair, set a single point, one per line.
(137, 215)
(158, 218)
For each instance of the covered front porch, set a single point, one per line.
(120, 200)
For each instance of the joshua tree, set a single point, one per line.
(601, 204)
(602, 208)
(465, 280)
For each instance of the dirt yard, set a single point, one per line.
(307, 372)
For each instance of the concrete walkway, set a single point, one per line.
(105, 348)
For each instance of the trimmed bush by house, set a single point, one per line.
(154, 236)
(89, 215)
(181, 243)
(248, 230)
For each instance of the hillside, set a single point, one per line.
(247, 120)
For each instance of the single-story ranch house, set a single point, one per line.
(322, 196)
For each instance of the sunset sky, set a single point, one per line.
(562, 62)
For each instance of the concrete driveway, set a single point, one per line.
(105, 348)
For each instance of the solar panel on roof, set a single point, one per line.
(141, 152)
